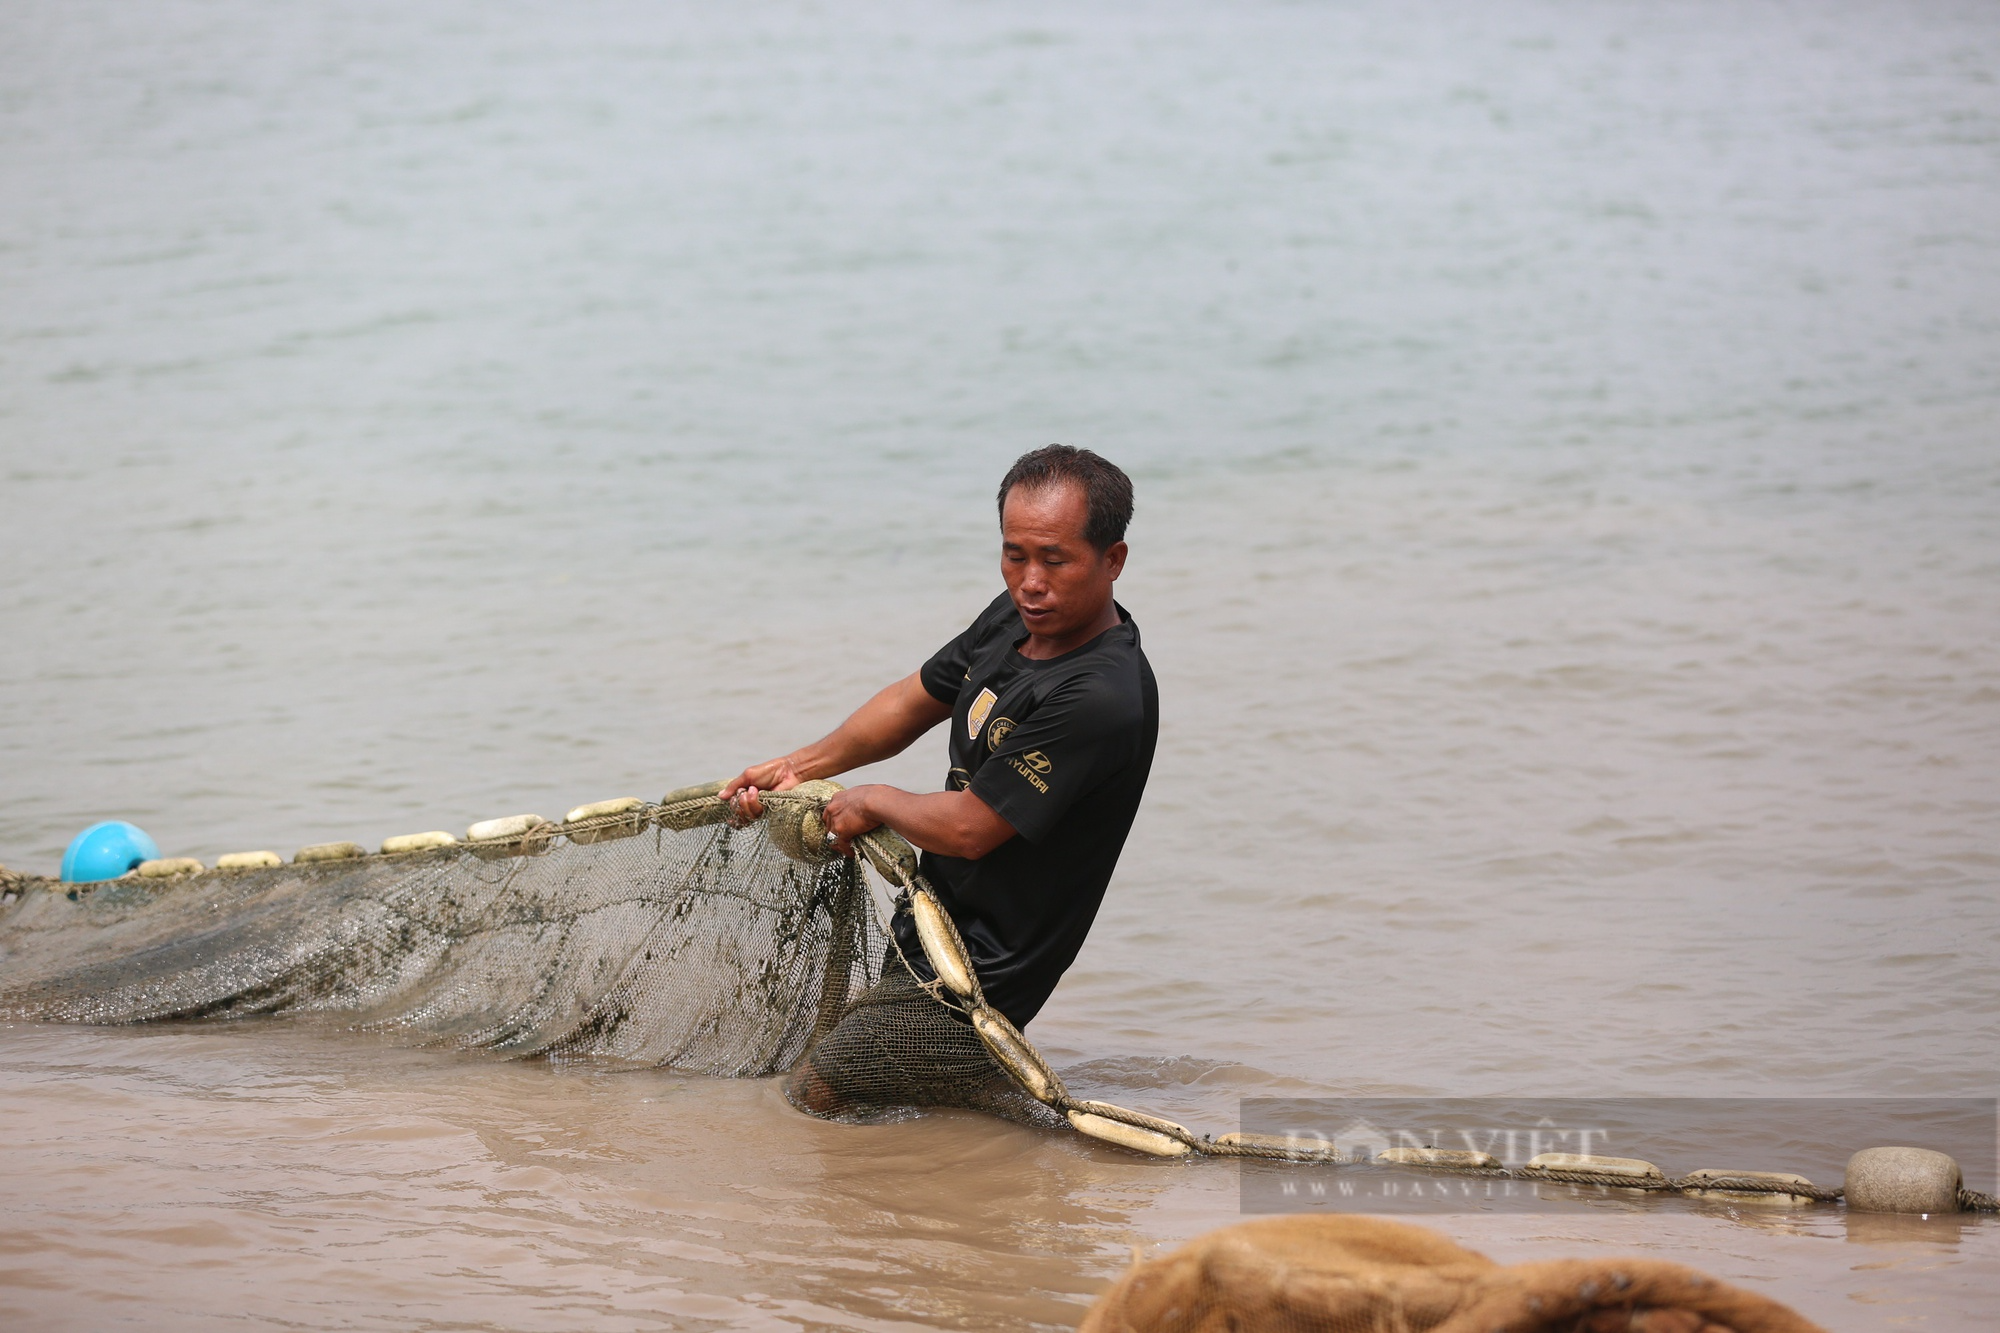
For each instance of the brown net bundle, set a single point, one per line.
(1331, 1274)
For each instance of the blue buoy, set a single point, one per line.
(106, 851)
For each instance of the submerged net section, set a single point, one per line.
(896, 1047)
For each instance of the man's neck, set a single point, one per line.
(1041, 647)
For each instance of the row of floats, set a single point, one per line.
(508, 829)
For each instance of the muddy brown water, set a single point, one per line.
(1567, 545)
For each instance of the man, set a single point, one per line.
(1054, 716)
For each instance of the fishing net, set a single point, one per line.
(1365, 1275)
(698, 947)
(645, 932)
(655, 933)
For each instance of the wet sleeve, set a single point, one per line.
(945, 672)
(1080, 735)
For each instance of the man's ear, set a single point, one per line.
(1114, 558)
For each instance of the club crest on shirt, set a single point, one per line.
(975, 716)
(997, 733)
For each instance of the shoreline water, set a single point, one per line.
(218, 1172)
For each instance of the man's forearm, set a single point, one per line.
(884, 726)
(948, 823)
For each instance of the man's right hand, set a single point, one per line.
(741, 790)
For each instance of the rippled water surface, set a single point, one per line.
(1568, 447)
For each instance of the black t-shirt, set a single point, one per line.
(1059, 749)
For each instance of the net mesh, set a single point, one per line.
(897, 1047)
(704, 949)
(659, 935)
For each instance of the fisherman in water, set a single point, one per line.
(1054, 716)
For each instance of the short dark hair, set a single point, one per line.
(1107, 491)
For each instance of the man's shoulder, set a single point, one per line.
(995, 620)
(998, 615)
(1111, 678)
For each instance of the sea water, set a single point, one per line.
(1567, 441)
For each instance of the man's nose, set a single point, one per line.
(1036, 579)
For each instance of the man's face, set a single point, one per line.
(1060, 583)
